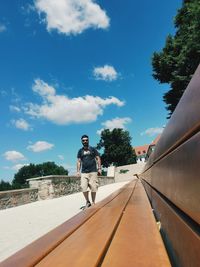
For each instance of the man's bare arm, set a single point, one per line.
(78, 166)
(98, 159)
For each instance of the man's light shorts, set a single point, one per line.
(89, 180)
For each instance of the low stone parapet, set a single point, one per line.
(13, 198)
(53, 186)
(45, 187)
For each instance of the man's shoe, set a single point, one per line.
(88, 204)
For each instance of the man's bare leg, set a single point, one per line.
(93, 195)
(86, 195)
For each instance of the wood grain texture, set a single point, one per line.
(37, 250)
(137, 241)
(183, 242)
(87, 244)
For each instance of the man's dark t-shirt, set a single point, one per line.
(88, 161)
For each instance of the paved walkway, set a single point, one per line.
(21, 225)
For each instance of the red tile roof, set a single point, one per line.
(155, 141)
(141, 149)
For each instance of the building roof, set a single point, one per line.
(155, 141)
(139, 150)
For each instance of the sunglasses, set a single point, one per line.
(84, 140)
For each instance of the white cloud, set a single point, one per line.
(114, 123)
(62, 110)
(16, 99)
(2, 28)
(72, 16)
(28, 8)
(3, 93)
(43, 89)
(106, 73)
(13, 155)
(61, 157)
(40, 146)
(21, 124)
(153, 131)
(14, 108)
(18, 166)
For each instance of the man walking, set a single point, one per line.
(88, 160)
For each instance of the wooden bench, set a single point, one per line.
(118, 231)
(171, 179)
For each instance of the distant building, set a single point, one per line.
(143, 152)
(152, 147)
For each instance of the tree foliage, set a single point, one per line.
(36, 170)
(178, 60)
(117, 148)
(4, 186)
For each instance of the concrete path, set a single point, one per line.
(22, 225)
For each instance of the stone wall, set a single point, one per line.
(13, 198)
(53, 186)
(46, 187)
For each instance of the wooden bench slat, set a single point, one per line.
(137, 241)
(87, 244)
(185, 119)
(183, 240)
(36, 251)
(177, 177)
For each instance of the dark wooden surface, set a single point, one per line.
(137, 241)
(184, 122)
(87, 244)
(172, 182)
(33, 253)
(119, 231)
(177, 177)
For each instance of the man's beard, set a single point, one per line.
(85, 145)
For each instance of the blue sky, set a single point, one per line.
(73, 67)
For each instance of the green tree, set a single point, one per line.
(117, 148)
(4, 186)
(36, 170)
(178, 60)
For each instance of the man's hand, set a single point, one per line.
(99, 172)
(78, 174)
